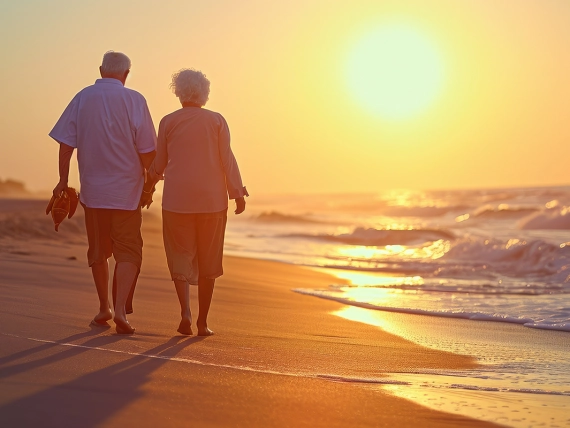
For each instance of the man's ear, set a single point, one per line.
(125, 76)
(101, 71)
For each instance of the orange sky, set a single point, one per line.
(277, 75)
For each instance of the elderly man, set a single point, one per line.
(115, 138)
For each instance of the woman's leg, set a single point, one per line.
(205, 292)
(211, 231)
(183, 293)
(179, 236)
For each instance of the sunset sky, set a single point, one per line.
(298, 89)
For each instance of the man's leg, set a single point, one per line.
(127, 250)
(205, 292)
(100, 273)
(183, 293)
(97, 224)
(129, 304)
(125, 274)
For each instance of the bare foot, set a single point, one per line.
(123, 326)
(102, 317)
(205, 331)
(185, 327)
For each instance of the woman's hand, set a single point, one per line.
(240, 205)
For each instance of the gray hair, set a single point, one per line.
(115, 63)
(191, 85)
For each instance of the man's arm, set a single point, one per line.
(65, 153)
(148, 188)
(147, 158)
(158, 162)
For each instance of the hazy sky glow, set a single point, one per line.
(278, 73)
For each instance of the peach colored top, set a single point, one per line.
(200, 169)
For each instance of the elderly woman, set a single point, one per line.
(200, 172)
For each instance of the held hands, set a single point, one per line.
(240, 205)
(150, 178)
(146, 198)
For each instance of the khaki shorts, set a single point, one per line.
(114, 232)
(194, 244)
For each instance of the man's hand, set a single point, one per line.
(240, 205)
(146, 199)
(58, 190)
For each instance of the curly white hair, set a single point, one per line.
(191, 85)
(115, 63)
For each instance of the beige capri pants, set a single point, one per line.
(194, 244)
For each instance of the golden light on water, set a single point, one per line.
(364, 279)
(366, 316)
(462, 218)
(433, 250)
(360, 252)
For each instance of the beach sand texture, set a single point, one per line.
(278, 358)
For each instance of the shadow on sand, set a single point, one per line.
(92, 398)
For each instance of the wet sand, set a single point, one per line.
(278, 358)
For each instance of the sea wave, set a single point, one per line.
(555, 218)
(412, 210)
(277, 217)
(551, 320)
(459, 286)
(422, 211)
(378, 237)
(475, 257)
(515, 256)
(503, 211)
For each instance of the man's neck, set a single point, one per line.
(119, 78)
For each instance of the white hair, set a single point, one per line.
(191, 85)
(115, 63)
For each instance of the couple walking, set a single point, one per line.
(120, 161)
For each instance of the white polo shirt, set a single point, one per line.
(109, 125)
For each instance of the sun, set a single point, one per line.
(395, 71)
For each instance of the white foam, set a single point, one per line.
(544, 312)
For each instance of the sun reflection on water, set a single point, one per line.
(432, 250)
(366, 316)
(411, 198)
(365, 279)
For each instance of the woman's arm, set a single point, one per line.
(234, 183)
(161, 159)
(156, 168)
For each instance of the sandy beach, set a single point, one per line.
(278, 358)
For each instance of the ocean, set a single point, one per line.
(498, 255)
